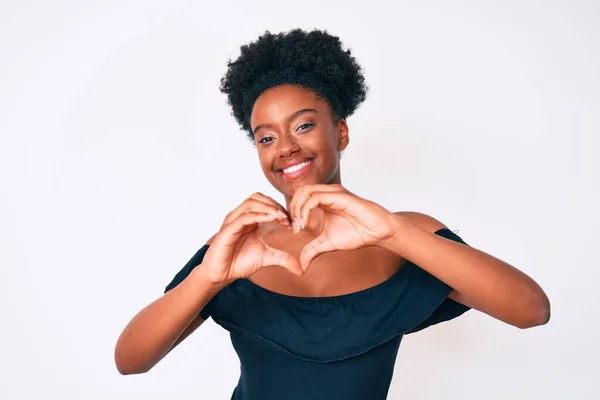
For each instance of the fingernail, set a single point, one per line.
(281, 214)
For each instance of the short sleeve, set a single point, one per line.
(184, 273)
(443, 307)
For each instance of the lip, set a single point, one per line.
(292, 163)
(296, 174)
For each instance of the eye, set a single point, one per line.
(265, 140)
(304, 127)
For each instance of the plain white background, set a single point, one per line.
(119, 158)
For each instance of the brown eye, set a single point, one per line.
(304, 127)
(265, 140)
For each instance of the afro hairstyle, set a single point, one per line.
(312, 59)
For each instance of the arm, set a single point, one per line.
(479, 280)
(163, 324)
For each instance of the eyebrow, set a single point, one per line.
(291, 117)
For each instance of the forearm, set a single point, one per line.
(480, 280)
(152, 333)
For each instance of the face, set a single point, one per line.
(297, 140)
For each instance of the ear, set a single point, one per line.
(343, 137)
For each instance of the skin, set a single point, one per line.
(308, 134)
(282, 134)
(349, 242)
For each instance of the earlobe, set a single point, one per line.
(343, 138)
(344, 141)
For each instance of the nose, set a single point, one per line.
(287, 146)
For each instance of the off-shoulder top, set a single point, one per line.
(338, 347)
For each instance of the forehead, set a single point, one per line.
(277, 103)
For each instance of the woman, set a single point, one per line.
(318, 293)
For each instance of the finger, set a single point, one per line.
(275, 257)
(300, 196)
(333, 201)
(266, 199)
(261, 199)
(279, 208)
(313, 249)
(259, 206)
(252, 205)
(232, 231)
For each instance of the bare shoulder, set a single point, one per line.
(210, 240)
(431, 224)
(424, 221)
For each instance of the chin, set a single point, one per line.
(289, 188)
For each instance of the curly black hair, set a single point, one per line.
(314, 60)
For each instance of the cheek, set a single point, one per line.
(264, 165)
(266, 162)
(330, 150)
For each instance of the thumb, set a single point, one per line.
(314, 248)
(275, 257)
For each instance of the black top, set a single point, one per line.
(336, 347)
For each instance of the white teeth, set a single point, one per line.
(296, 167)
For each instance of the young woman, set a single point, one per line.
(318, 293)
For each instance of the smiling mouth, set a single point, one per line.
(296, 170)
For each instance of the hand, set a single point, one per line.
(350, 222)
(238, 251)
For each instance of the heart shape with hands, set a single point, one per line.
(348, 222)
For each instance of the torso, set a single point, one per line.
(330, 274)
